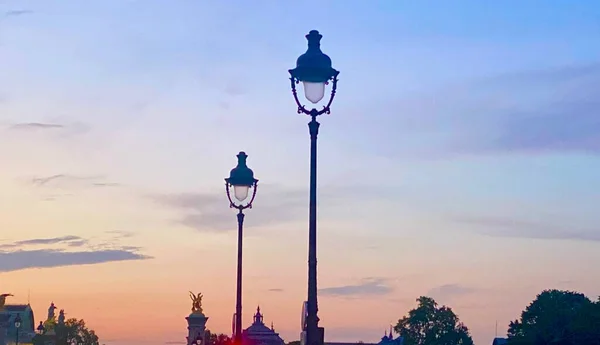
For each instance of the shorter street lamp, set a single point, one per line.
(241, 178)
(17, 326)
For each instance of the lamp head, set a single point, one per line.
(241, 178)
(313, 68)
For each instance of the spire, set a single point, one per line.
(385, 336)
(272, 328)
(391, 334)
(258, 318)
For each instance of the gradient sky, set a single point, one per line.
(460, 160)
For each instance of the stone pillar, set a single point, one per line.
(4, 317)
(196, 327)
(50, 337)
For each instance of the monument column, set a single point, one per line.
(196, 321)
(50, 326)
(4, 317)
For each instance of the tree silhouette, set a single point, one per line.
(586, 325)
(72, 332)
(559, 318)
(217, 339)
(430, 324)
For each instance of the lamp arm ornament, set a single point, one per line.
(241, 206)
(314, 112)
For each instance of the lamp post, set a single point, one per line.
(241, 178)
(17, 326)
(314, 70)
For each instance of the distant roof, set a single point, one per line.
(500, 341)
(26, 314)
(259, 333)
(16, 307)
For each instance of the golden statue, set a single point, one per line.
(3, 299)
(50, 322)
(196, 302)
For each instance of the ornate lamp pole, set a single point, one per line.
(242, 179)
(17, 326)
(314, 70)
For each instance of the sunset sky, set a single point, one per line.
(460, 160)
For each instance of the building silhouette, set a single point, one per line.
(27, 329)
(259, 334)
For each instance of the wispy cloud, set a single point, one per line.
(115, 241)
(542, 111)
(448, 291)
(210, 212)
(45, 258)
(42, 181)
(78, 243)
(61, 130)
(566, 283)
(118, 234)
(15, 13)
(274, 204)
(36, 126)
(234, 89)
(275, 290)
(74, 241)
(368, 286)
(533, 112)
(65, 181)
(563, 126)
(509, 227)
(105, 184)
(53, 197)
(19, 255)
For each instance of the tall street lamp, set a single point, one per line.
(17, 326)
(241, 178)
(314, 70)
